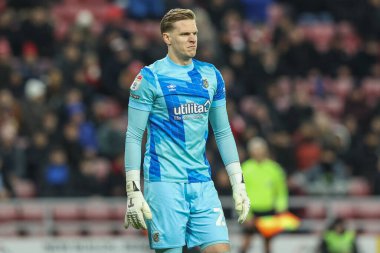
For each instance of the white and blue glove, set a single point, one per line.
(137, 209)
(239, 193)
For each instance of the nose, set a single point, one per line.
(193, 38)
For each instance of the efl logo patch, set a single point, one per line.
(136, 83)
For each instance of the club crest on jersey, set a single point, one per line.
(136, 83)
(156, 237)
(204, 83)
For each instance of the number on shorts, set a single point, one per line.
(220, 221)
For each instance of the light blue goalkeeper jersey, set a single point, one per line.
(179, 99)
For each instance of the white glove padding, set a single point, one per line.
(242, 203)
(137, 208)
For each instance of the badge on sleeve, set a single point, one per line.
(136, 83)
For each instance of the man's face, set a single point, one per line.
(183, 39)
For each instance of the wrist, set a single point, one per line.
(235, 173)
(132, 178)
(236, 179)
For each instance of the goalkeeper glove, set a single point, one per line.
(239, 193)
(137, 208)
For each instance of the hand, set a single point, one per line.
(242, 203)
(137, 209)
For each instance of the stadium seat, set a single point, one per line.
(67, 211)
(8, 212)
(343, 209)
(315, 210)
(34, 229)
(118, 212)
(100, 229)
(358, 187)
(371, 227)
(367, 210)
(21, 229)
(69, 229)
(96, 210)
(31, 211)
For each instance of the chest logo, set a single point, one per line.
(192, 108)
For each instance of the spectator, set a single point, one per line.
(57, 175)
(12, 153)
(308, 150)
(36, 155)
(38, 30)
(338, 239)
(364, 158)
(328, 177)
(86, 182)
(5, 67)
(376, 184)
(33, 107)
(31, 65)
(111, 138)
(71, 144)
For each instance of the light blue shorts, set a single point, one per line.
(184, 213)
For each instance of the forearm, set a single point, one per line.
(223, 135)
(282, 203)
(228, 151)
(137, 121)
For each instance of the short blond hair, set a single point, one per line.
(173, 16)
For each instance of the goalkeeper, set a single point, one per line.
(175, 98)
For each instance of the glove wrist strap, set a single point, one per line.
(132, 181)
(235, 173)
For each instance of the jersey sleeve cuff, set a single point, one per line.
(218, 103)
(140, 106)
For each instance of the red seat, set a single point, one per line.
(97, 210)
(8, 212)
(100, 229)
(315, 210)
(358, 187)
(31, 211)
(368, 210)
(69, 229)
(118, 212)
(343, 209)
(68, 211)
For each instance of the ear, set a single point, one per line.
(166, 38)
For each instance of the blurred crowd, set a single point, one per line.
(303, 75)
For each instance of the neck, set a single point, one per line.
(260, 159)
(178, 60)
